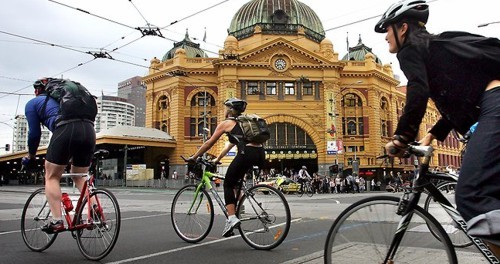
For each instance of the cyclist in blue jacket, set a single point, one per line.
(74, 140)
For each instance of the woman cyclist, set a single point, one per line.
(460, 72)
(249, 155)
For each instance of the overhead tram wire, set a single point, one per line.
(54, 75)
(154, 31)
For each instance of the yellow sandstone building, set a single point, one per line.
(322, 109)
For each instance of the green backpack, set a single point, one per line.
(255, 128)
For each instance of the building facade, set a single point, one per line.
(322, 110)
(20, 138)
(114, 111)
(134, 91)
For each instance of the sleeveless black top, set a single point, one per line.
(235, 134)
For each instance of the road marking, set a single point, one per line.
(123, 219)
(178, 249)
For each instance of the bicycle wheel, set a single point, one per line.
(309, 190)
(265, 218)
(368, 227)
(457, 236)
(98, 236)
(300, 192)
(35, 214)
(192, 214)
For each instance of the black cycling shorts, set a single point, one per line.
(73, 140)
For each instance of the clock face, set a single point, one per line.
(280, 64)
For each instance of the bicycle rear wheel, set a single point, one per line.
(35, 214)
(310, 190)
(368, 227)
(100, 231)
(457, 236)
(265, 217)
(192, 214)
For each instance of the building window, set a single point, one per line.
(203, 114)
(252, 88)
(384, 117)
(289, 88)
(307, 88)
(286, 135)
(353, 126)
(352, 100)
(163, 103)
(271, 88)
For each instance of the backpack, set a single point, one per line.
(255, 128)
(75, 101)
(472, 47)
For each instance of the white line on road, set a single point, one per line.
(178, 249)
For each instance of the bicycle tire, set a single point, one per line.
(368, 228)
(192, 225)
(299, 193)
(265, 217)
(35, 214)
(457, 236)
(97, 238)
(310, 190)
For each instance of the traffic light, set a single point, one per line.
(7, 147)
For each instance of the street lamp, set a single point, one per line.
(333, 115)
(489, 23)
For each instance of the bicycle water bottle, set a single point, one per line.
(68, 205)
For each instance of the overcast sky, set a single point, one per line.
(29, 29)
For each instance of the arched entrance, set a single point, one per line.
(290, 147)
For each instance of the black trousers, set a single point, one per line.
(244, 160)
(478, 188)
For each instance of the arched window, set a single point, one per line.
(286, 135)
(352, 120)
(352, 100)
(163, 114)
(384, 117)
(203, 113)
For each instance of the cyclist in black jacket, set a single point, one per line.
(460, 72)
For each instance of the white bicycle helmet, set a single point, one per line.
(417, 10)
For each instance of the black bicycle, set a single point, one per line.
(386, 229)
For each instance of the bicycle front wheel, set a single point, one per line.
(35, 214)
(265, 217)
(192, 214)
(457, 236)
(310, 190)
(369, 226)
(99, 231)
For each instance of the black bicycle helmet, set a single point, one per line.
(412, 10)
(236, 104)
(40, 84)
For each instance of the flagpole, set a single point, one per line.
(347, 40)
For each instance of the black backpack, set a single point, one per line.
(472, 47)
(255, 128)
(76, 102)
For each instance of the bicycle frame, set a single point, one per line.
(206, 182)
(87, 190)
(411, 198)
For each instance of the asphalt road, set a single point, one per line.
(147, 235)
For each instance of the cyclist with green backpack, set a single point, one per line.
(249, 154)
(70, 117)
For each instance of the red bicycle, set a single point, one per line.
(94, 222)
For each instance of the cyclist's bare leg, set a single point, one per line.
(494, 248)
(53, 173)
(79, 181)
(231, 209)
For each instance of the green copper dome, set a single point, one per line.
(192, 49)
(358, 52)
(280, 17)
